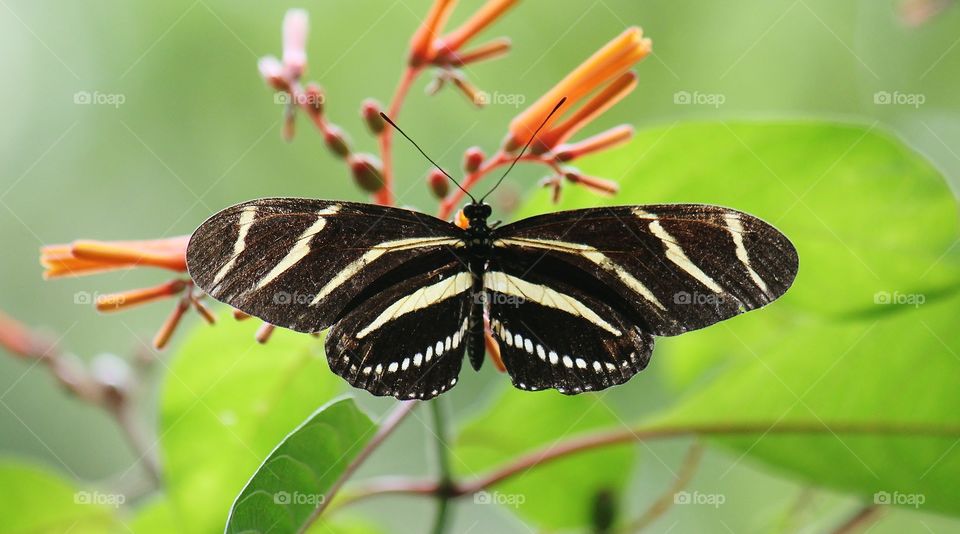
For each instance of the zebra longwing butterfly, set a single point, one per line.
(573, 298)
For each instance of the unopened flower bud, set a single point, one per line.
(370, 111)
(314, 99)
(336, 141)
(473, 93)
(289, 122)
(264, 332)
(597, 185)
(273, 73)
(366, 172)
(295, 27)
(473, 158)
(438, 183)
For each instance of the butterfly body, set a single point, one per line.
(574, 299)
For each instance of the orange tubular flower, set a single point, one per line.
(422, 50)
(608, 70)
(88, 257)
(427, 47)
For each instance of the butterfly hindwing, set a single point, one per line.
(408, 340)
(302, 263)
(554, 335)
(674, 268)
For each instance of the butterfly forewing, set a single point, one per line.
(302, 263)
(408, 339)
(669, 268)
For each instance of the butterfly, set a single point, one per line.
(573, 298)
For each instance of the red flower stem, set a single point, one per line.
(385, 195)
(496, 161)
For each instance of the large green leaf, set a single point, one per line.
(562, 493)
(897, 369)
(227, 402)
(867, 335)
(35, 501)
(295, 478)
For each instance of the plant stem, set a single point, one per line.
(860, 520)
(387, 426)
(385, 195)
(603, 439)
(445, 477)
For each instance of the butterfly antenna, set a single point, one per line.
(520, 155)
(414, 143)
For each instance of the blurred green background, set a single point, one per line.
(198, 130)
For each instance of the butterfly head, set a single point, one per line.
(477, 213)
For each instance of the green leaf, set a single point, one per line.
(899, 369)
(559, 494)
(867, 336)
(226, 403)
(35, 501)
(295, 478)
(156, 516)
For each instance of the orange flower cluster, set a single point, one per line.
(429, 47)
(607, 72)
(88, 257)
(592, 88)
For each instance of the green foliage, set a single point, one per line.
(295, 478)
(35, 501)
(226, 403)
(560, 494)
(868, 332)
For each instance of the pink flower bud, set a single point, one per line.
(295, 27)
(366, 172)
(473, 158)
(272, 72)
(336, 141)
(439, 184)
(370, 111)
(315, 99)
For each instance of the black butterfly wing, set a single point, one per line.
(408, 340)
(553, 334)
(303, 263)
(668, 268)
